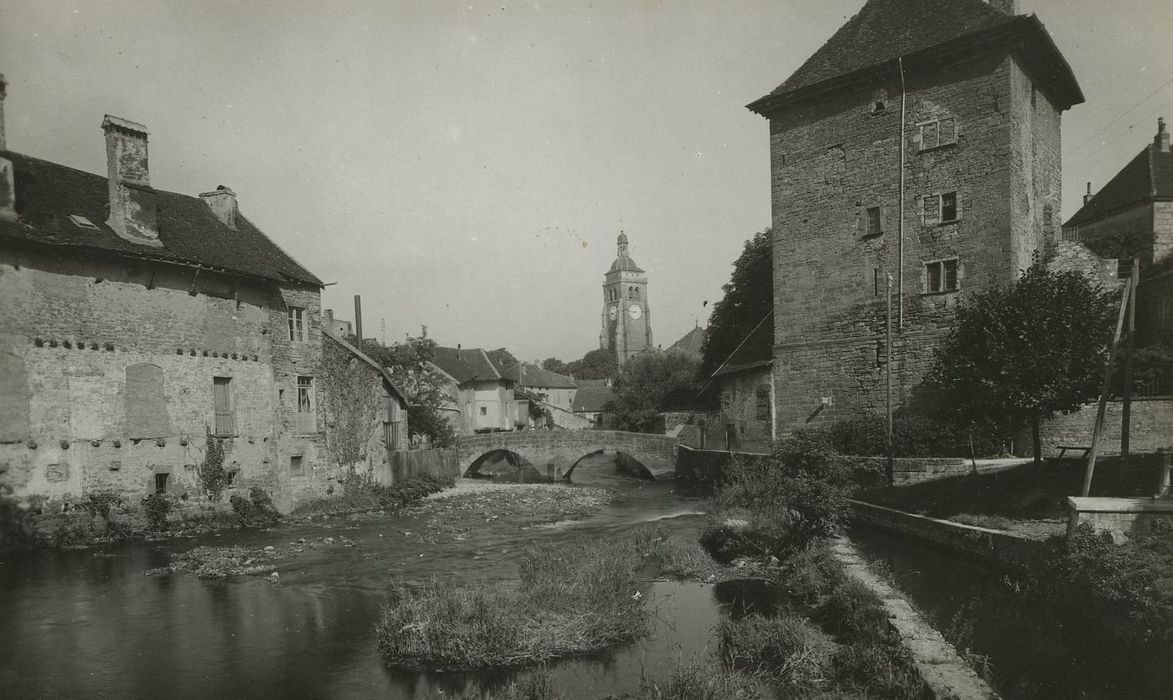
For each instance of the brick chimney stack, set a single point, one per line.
(133, 207)
(1009, 7)
(1161, 142)
(222, 202)
(1088, 196)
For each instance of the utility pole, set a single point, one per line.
(1098, 428)
(1126, 413)
(891, 467)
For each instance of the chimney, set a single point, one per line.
(1161, 142)
(3, 94)
(1087, 197)
(222, 202)
(133, 207)
(1006, 7)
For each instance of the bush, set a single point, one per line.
(788, 649)
(257, 510)
(913, 435)
(157, 508)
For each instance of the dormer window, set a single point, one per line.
(937, 133)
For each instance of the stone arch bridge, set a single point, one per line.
(557, 452)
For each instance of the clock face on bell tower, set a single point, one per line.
(627, 329)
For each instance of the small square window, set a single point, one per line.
(939, 132)
(873, 221)
(484, 410)
(161, 483)
(296, 465)
(941, 276)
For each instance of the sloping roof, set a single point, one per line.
(756, 351)
(1147, 177)
(47, 193)
(329, 333)
(691, 343)
(466, 364)
(592, 398)
(533, 375)
(885, 30)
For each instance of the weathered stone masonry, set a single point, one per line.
(835, 154)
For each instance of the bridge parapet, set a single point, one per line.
(564, 448)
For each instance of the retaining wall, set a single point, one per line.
(1002, 549)
(405, 464)
(705, 466)
(1117, 516)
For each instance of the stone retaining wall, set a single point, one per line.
(943, 670)
(1002, 549)
(705, 466)
(1117, 516)
(405, 464)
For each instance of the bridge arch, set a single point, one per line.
(557, 452)
(516, 467)
(624, 464)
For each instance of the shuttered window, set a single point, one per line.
(297, 324)
(222, 401)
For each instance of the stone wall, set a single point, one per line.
(1119, 517)
(706, 466)
(982, 544)
(89, 342)
(406, 464)
(747, 409)
(1151, 421)
(835, 158)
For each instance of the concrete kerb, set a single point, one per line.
(939, 664)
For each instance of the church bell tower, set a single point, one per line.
(627, 324)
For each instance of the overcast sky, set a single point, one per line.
(467, 165)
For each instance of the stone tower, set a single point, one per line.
(922, 141)
(627, 323)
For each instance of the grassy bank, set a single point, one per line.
(360, 493)
(831, 637)
(572, 597)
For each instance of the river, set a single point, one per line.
(90, 623)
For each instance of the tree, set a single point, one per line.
(1026, 352)
(749, 297)
(426, 389)
(652, 382)
(596, 364)
(553, 364)
(502, 357)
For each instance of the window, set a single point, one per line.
(222, 401)
(939, 132)
(146, 404)
(161, 484)
(297, 324)
(296, 465)
(763, 403)
(879, 285)
(941, 276)
(941, 208)
(307, 406)
(393, 432)
(873, 222)
(484, 410)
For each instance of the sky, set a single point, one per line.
(467, 165)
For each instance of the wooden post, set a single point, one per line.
(1099, 425)
(1126, 412)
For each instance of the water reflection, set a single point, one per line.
(90, 623)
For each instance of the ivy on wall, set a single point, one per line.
(351, 401)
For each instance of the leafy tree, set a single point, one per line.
(502, 357)
(553, 364)
(596, 364)
(426, 389)
(652, 382)
(749, 297)
(1026, 352)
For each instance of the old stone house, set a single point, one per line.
(591, 401)
(481, 394)
(136, 324)
(1132, 215)
(921, 141)
(744, 385)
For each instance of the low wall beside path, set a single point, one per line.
(707, 466)
(1117, 516)
(996, 547)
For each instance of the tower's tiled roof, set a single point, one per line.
(885, 30)
(624, 263)
(1147, 177)
(48, 193)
